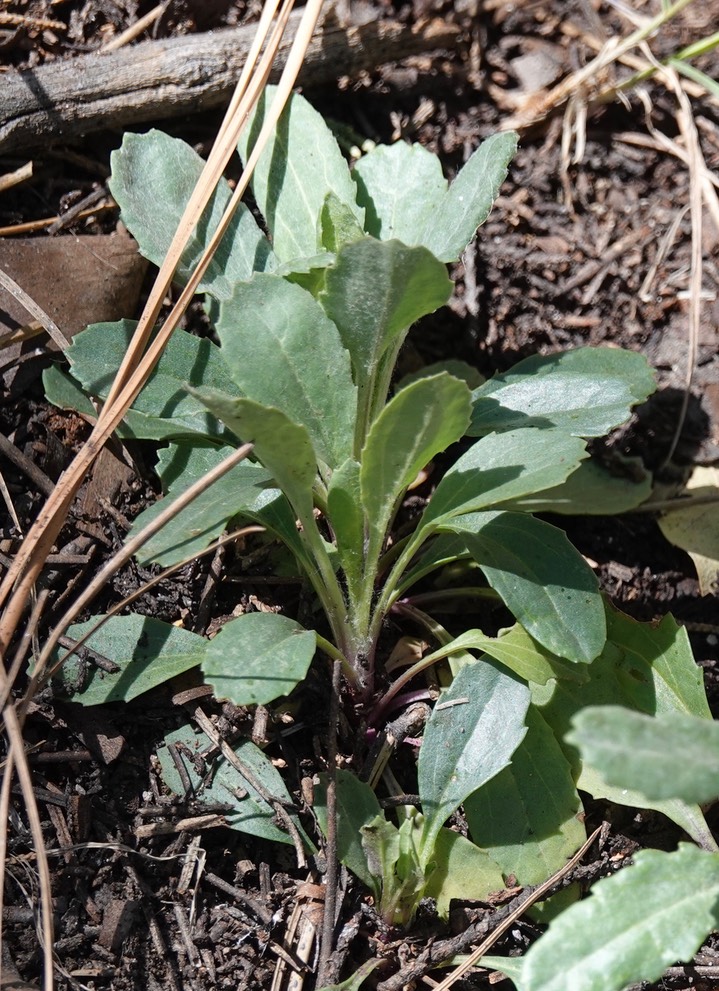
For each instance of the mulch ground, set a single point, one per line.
(575, 252)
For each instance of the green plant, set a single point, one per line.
(310, 326)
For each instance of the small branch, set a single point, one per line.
(158, 79)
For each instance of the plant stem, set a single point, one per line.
(336, 655)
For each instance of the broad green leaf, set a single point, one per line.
(645, 667)
(466, 204)
(419, 422)
(357, 806)
(672, 755)
(501, 467)
(164, 408)
(543, 580)
(400, 186)
(696, 528)
(247, 490)
(153, 177)
(379, 841)
(344, 509)
(516, 650)
(585, 392)
(632, 926)
(300, 165)
(462, 871)
(217, 783)
(258, 657)
(339, 224)
(375, 291)
(146, 651)
(282, 351)
(521, 653)
(590, 490)
(470, 736)
(527, 818)
(283, 447)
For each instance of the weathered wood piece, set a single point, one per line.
(159, 79)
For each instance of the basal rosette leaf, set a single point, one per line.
(421, 420)
(373, 293)
(645, 667)
(500, 467)
(631, 927)
(257, 658)
(300, 165)
(528, 817)
(281, 350)
(542, 579)
(145, 651)
(406, 196)
(153, 177)
(400, 186)
(672, 755)
(585, 392)
(215, 781)
(283, 447)
(164, 408)
(470, 736)
(247, 490)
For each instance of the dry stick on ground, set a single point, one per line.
(21, 576)
(159, 79)
(535, 895)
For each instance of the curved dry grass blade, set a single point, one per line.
(34, 310)
(38, 542)
(18, 756)
(612, 51)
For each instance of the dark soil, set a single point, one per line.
(574, 253)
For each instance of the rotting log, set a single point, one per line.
(152, 80)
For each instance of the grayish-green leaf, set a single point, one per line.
(470, 736)
(501, 467)
(357, 806)
(528, 816)
(590, 490)
(244, 809)
(646, 667)
(419, 422)
(516, 650)
(164, 408)
(258, 657)
(633, 925)
(466, 204)
(146, 651)
(586, 392)
(283, 447)
(462, 871)
(400, 186)
(344, 508)
(247, 490)
(299, 166)
(281, 350)
(375, 291)
(543, 580)
(339, 224)
(153, 177)
(672, 755)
